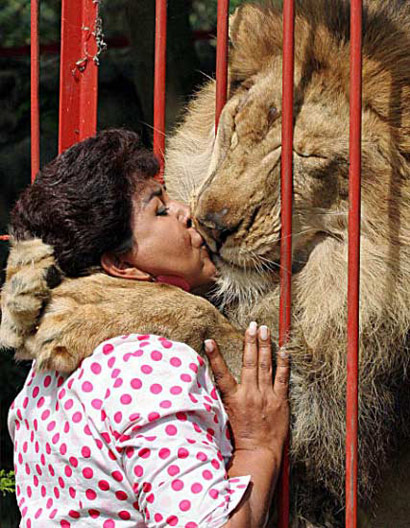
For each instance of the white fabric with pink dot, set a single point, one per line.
(136, 437)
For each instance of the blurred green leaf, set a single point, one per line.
(7, 484)
(15, 22)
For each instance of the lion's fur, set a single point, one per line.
(84, 312)
(239, 172)
(26, 290)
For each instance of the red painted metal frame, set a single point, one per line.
(34, 85)
(160, 82)
(78, 72)
(286, 184)
(78, 77)
(353, 262)
(34, 104)
(221, 58)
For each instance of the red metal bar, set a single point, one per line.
(160, 82)
(34, 85)
(353, 262)
(221, 58)
(286, 220)
(34, 103)
(78, 72)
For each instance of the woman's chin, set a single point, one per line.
(211, 270)
(207, 277)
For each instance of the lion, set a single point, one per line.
(232, 181)
(235, 183)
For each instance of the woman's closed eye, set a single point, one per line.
(162, 211)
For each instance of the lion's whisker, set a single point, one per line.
(155, 129)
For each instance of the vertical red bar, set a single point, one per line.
(221, 58)
(286, 220)
(34, 85)
(78, 72)
(160, 82)
(353, 262)
(34, 101)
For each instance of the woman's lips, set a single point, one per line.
(205, 250)
(196, 239)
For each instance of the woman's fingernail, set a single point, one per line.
(284, 354)
(263, 332)
(209, 345)
(253, 328)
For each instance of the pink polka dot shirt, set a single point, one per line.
(136, 437)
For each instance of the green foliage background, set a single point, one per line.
(15, 22)
(7, 484)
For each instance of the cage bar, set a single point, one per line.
(78, 72)
(34, 89)
(286, 221)
(160, 83)
(221, 58)
(34, 102)
(353, 261)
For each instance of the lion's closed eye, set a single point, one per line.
(273, 115)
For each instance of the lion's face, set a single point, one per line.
(238, 207)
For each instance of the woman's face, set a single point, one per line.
(165, 243)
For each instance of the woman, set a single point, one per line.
(137, 435)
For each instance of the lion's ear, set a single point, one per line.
(256, 35)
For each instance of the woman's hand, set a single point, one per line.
(258, 412)
(257, 407)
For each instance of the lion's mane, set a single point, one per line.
(233, 181)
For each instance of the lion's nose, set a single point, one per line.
(212, 226)
(216, 219)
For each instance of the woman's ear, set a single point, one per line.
(121, 265)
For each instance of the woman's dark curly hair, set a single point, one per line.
(81, 202)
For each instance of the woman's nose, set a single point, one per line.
(182, 212)
(186, 216)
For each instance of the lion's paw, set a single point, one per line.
(31, 274)
(51, 353)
